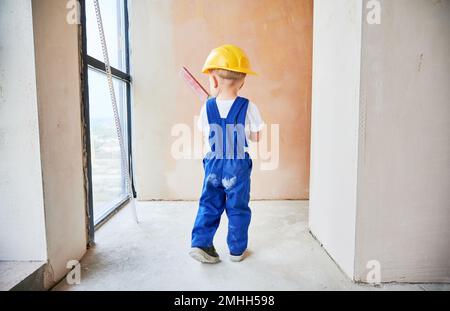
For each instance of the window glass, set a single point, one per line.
(113, 17)
(108, 182)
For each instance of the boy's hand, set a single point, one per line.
(254, 136)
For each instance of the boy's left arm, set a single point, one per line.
(202, 122)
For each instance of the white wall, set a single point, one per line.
(22, 224)
(403, 218)
(379, 171)
(42, 195)
(335, 109)
(60, 125)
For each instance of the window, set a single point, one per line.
(107, 182)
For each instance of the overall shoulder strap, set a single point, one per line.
(212, 111)
(235, 132)
(238, 111)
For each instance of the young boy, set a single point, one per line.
(229, 121)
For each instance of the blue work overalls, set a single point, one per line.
(226, 185)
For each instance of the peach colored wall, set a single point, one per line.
(165, 35)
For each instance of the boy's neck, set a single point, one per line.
(227, 95)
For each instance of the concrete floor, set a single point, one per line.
(152, 255)
(15, 272)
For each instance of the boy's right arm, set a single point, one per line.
(256, 122)
(255, 136)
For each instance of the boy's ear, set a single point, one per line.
(243, 82)
(216, 81)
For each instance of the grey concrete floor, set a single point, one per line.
(153, 255)
(14, 272)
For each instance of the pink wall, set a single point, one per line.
(277, 36)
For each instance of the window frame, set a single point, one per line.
(98, 65)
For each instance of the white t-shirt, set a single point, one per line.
(253, 120)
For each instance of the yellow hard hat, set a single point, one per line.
(229, 57)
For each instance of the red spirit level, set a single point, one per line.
(195, 86)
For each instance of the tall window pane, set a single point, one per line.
(107, 186)
(108, 182)
(114, 28)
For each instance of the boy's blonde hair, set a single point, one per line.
(228, 74)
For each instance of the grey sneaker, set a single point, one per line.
(238, 258)
(205, 255)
